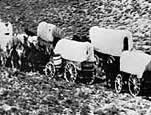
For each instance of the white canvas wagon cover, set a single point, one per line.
(109, 41)
(134, 62)
(47, 31)
(74, 50)
(6, 33)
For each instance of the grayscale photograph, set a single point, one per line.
(75, 57)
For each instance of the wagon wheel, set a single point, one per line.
(134, 85)
(70, 72)
(110, 60)
(49, 69)
(99, 66)
(119, 83)
(92, 79)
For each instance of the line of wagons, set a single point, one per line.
(110, 53)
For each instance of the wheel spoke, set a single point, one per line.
(131, 80)
(137, 89)
(132, 85)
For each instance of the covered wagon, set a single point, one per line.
(77, 59)
(109, 45)
(39, 49)
(135, 71)
(49, 33)
(6, 34)
(110, 41)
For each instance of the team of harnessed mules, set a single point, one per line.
(27, 56)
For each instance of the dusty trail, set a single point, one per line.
(36, 94)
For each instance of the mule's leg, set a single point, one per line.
(1, 60)
(12, 64)
(16, 64)
(19, 64)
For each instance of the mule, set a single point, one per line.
(13, 57)
(37, 58)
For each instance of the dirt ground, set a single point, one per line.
(35, 94)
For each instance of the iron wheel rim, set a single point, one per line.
(118, 83)
(134, 85)
(70, 72)
(49, 69)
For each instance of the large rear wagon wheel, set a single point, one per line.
(70, 73)
(134, 85)
(49, 69)
(119, 83)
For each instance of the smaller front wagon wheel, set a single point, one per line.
(49, 69)
(118, 83)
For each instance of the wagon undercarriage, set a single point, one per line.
(71, 71)
(135, 86)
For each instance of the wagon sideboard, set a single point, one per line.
(109, 41)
